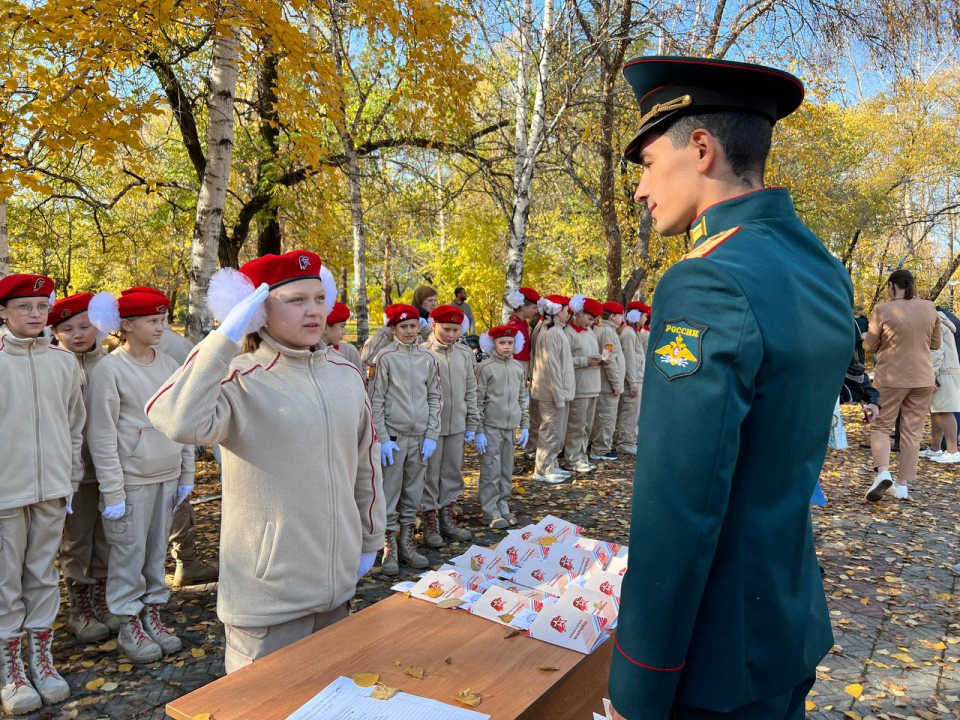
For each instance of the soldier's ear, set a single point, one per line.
(708, 150)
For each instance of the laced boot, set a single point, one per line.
(407, 549)
(82, 620)
(449, 527)
(99, 599)
(193, 571)
(18, 695)
(135, 642)
(158, 632)
(389, 564)
(48, 682)
(431, 530)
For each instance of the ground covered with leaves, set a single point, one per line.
(894, 601)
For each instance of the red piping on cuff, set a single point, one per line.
(647, 667)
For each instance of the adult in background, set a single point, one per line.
(902, 333)
(946, 398)
(460, 300)
(736, 622)
(425, 301)
(862, 324)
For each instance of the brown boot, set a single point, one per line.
(449, 527)
(18, 695)
(193, 571)
(389, 564)
(82, 618)
(99, 599)
(431, 530)
(407, 549)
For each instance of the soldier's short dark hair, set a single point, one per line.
(744, 136)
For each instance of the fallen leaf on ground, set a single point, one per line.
(382, 692)
(855, 690)
(902, 657)
(811, 706)
(95, 684)
(109, 686)
(124, 667)
(469, 697)
(365, 679)
(198, 652)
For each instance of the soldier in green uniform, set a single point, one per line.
(723, 611)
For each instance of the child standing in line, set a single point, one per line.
(586, 363)
(611, 382)
(376, 343)
(628, 413)
(143, 475)
(500, 401)
(524, 303)
(333, 335)
(406, 401)
(84, 552)
(458, 424)
(42, 425)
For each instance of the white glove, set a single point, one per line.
(387, 450)
(428, 447)
(366, 562)
(70, 504)
(480, 443)
(115, 512)
(234, 325)
(182, 492)
(524, 437)
(468, 437)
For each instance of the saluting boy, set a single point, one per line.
(587, 360)
(405, 397)
(628, 413)
(611, 382)
(458, 424)
(500, 401)
(84, 552)
(333, 335)
(42, 426)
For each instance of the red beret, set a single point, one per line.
(592, 307)
(136, 304)
(143, 289)
(68, 307)
(530, 294)
(340, 313)
(277, 270)
(503, 331)
(447, 314)
(614, 308)
(640, 306)
(17, 286)
(561, 300)
(399, 312)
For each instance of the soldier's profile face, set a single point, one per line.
(670, 184)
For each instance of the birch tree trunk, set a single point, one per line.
(4, 241)
(352, 169)
(526, 143)
(213, 188)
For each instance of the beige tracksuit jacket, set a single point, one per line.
(126, 449)
(633, 360)
(458, 386)
(350, 352)
(553, 379)
(175, 345)
(612, 375)
(583, 344)
(406, 396)
(500, 394)
(41, 423)
(302, 489)
(87, 362)
(375, 344)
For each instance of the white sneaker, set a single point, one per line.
(880, 486)
(945, 458)
(584, 467)
(550, 478)
(929, 452)
(557, 470)
(628, 449)
(900, 492)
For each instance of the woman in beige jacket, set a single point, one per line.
(946, 398)
(303, 509)
(902, 333)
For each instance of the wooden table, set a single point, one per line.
(505, 671)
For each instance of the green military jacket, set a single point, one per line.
(723, 603)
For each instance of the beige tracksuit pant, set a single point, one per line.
(444, 479)
(84, 552)
(138, 548)
(579, 423)
(403, 481)
(628, 417)
(604, 423)
(29, 592)
(183, 532)
(496, 473)
(246, 644)
(553, 429)
(534, 438)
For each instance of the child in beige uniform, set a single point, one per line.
(84, 552)
(611, 382)
(406, 411)
(303, 508)
(628, 414)
(42, 426)
(333, 336)
(587, 362)
(500, 401)
(458, 424)
(143, 475)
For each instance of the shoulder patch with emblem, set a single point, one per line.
(711, 244)
(679, 348)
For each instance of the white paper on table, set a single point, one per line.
(449, 588)
(617, 566)
(519, 551)
(405, 586)
(543, 575)
(344, 700)
(569, 628)
(605, 582)
(498, 602)
(466, 577)
(606, 551)
(574, 560)
(486, 560)
(593, 602)
(558, 527)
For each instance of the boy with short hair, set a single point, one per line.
(333, 335)
(458, 424)
(406, 402)
(500, 402)
(42, 426)
(587, 361)
(611, 382)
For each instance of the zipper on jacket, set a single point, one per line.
(322, 400)
(36, 422)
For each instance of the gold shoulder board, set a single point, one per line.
(711, 244)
